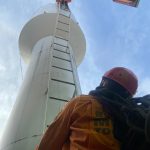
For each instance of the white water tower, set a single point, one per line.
(52, 43)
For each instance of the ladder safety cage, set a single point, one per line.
(63, 81)
(59, 46)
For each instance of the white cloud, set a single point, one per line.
(89, 71)
(2, 68)
(7, 97)
(144, 87)
(9, 67)
(6, 29)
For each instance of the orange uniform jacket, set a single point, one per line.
(82, 125)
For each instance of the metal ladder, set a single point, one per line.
(60, 52)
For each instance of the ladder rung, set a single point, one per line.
(62, 68)
(63, 81)
(60, 51)
(59, 99)
(63, 22)
(64, 15)
(61, 38)
(68, 10)
(62, 30)
(61, 58)
(61, 45)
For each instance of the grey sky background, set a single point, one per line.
(116, 35)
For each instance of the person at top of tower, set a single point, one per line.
(63, 3)
(105, 119)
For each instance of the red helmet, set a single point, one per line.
(125, 77)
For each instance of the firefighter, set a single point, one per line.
(92, 122)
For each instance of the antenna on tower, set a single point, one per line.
(133, 3)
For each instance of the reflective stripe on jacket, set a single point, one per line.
(82, 125)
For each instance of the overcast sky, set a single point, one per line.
(116, 35)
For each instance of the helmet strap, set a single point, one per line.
(114, 87)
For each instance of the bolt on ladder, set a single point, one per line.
(63, 83)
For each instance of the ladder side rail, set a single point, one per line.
(75, 75)
(74, 67)
(50, 56)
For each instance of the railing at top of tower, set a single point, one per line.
(60, 1)
(63, 4)
(133, 3)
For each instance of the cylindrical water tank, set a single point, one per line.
(43, 94)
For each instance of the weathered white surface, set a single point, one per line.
(36, 107)
(42, 25)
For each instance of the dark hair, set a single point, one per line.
(114, 87)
